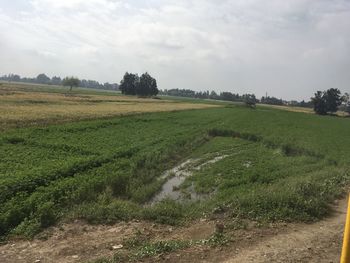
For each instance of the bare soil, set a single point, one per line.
(79, 242)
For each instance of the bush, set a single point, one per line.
(107, 211)
(47, 214)
(166, 212)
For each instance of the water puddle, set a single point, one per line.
(177, 175)
(214, 160)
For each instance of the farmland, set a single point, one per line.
(271, 165)
(28, 105)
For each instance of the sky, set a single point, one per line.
(286, 48)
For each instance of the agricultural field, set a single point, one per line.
(228, 163)
(28, 105)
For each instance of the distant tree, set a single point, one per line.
(129, 83)
(56, 80)
(43, 79)
(132, 84)
(213, 95)
(226, 96)
(346, 100)
(319, 102)
(13, 77)
(249, 100)
(271, 101)
(147, 86)
(71, 82)
(108, 86)
(307, 104)
(333, 100)
(327, 101)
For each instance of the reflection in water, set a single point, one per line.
(177, 176)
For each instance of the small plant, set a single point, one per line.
(136, 241)
(217, 239)
(161, 247)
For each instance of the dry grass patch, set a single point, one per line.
(300, 109)
(289, 108)
(20, 108)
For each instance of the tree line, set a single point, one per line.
(234, 97)
(227, 96)
(55, 80)
(323, 102)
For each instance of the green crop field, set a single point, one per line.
(275, 165)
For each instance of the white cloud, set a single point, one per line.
(289, 48)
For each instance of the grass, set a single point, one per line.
(140, 248)
(252, 181)
(281, 165)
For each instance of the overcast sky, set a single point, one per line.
(288, 48)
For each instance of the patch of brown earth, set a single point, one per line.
(79, 242)
(318, 242)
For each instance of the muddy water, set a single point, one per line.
(177, 175)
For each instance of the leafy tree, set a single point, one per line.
(71, 82)
(147, 86)
(327, 101)
(333, 100)
(250, 100)
(129, 83)
(132, 84)
(43, 79)
(319, 102)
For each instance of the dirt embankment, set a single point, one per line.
(78, 242)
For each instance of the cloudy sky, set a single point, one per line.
(288, 48)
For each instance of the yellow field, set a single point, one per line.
(289, 108)
(300, 109)
(24, 107)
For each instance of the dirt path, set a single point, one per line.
(319, 242)
(78, 242)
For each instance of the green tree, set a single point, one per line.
(147, 86)
(333, 100)
(71, 82)
(132, 84)
(42, 78)
(249, 100)
(319, 102)
(129, 84)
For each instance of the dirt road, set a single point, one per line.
(78, 242)
(318, 242)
